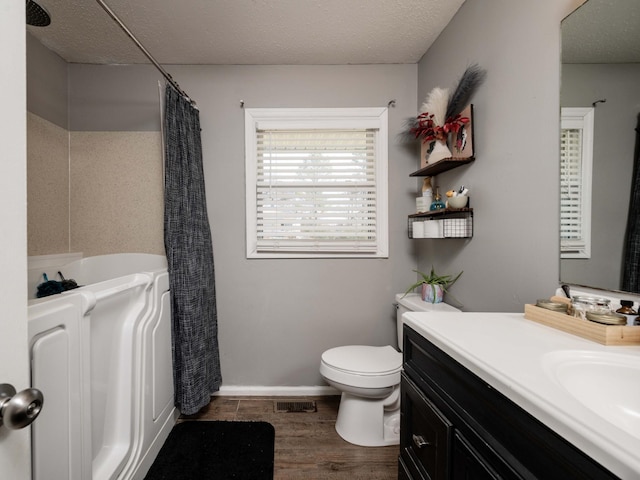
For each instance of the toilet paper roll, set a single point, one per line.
(418, 229)
(433, 229)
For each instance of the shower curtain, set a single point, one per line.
(187, 239)
(631, 257)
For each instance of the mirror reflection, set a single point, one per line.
(601, 75)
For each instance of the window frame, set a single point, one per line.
(317, 118)
(580, 118)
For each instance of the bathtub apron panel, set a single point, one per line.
(157, 413)
(101, 354)
(122, 304)
(61, 437)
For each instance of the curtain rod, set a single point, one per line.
(144, 50)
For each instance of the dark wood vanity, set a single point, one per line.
(456, 426)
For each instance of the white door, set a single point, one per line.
(15, 449)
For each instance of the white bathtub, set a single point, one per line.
(101, 354)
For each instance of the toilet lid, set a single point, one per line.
(364, 359)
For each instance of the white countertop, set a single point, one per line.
(509, 352)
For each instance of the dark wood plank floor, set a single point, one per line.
(307, 445)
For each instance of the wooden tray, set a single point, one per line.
(596, 332)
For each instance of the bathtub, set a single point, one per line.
(101, 354)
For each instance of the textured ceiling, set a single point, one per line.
(602, 31)
(286, 32)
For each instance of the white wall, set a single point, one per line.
(513, 257)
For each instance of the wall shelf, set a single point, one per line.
(442, 166)
(444, 213)
(447, 223)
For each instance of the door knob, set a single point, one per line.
(17, 410)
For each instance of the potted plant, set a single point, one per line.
(434, 286)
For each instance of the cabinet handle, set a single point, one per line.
(420, 442)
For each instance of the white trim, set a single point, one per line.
(367, 117)
(262, 391)
(581, 118)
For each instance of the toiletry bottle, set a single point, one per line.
(427, 193)
(423, 202)
(437, 203)
(627, 310)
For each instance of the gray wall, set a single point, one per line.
(47, 84)
(276, 317)
(513, 257)
(613, 151)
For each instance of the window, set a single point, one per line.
(316, 182)
(576, 153)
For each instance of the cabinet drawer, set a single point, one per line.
(425, 434)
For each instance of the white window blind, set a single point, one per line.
(576, 147)
(318, 184)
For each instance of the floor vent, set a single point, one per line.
(294, 406)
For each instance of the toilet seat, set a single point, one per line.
(362, 366)
(364, 359)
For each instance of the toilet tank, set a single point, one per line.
(412, 302)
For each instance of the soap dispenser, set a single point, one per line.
(437, 203)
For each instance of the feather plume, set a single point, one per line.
(471, 79)
(436, 104)
(408, 133)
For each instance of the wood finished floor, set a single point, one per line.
(306, 444)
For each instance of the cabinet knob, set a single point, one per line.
(420, 442)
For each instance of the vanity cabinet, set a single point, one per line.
(456, 426)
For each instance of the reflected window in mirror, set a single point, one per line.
(576, 158)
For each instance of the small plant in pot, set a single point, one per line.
(433, 286)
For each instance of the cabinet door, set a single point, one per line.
(403, 471)
(425, 434)
(468, 464)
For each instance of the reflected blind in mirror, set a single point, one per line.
(576, 151)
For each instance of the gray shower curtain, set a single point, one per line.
(187, 240)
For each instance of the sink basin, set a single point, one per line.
(606, 383)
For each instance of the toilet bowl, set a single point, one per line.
(368, 378)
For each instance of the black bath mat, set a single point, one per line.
(204, 450)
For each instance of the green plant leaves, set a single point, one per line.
(434, 279)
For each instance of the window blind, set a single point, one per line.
(571, 185)
(316, 190)
(576, 158)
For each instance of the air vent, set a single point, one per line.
(285, 406)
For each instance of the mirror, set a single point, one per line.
(601, 70)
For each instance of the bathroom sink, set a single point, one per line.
(606, 383)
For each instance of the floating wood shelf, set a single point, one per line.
(441, 166)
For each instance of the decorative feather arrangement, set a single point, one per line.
(471, 79)
(440, 113)
(436, 104)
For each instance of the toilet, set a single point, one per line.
(369, 379)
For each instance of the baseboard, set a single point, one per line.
(260, 391)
